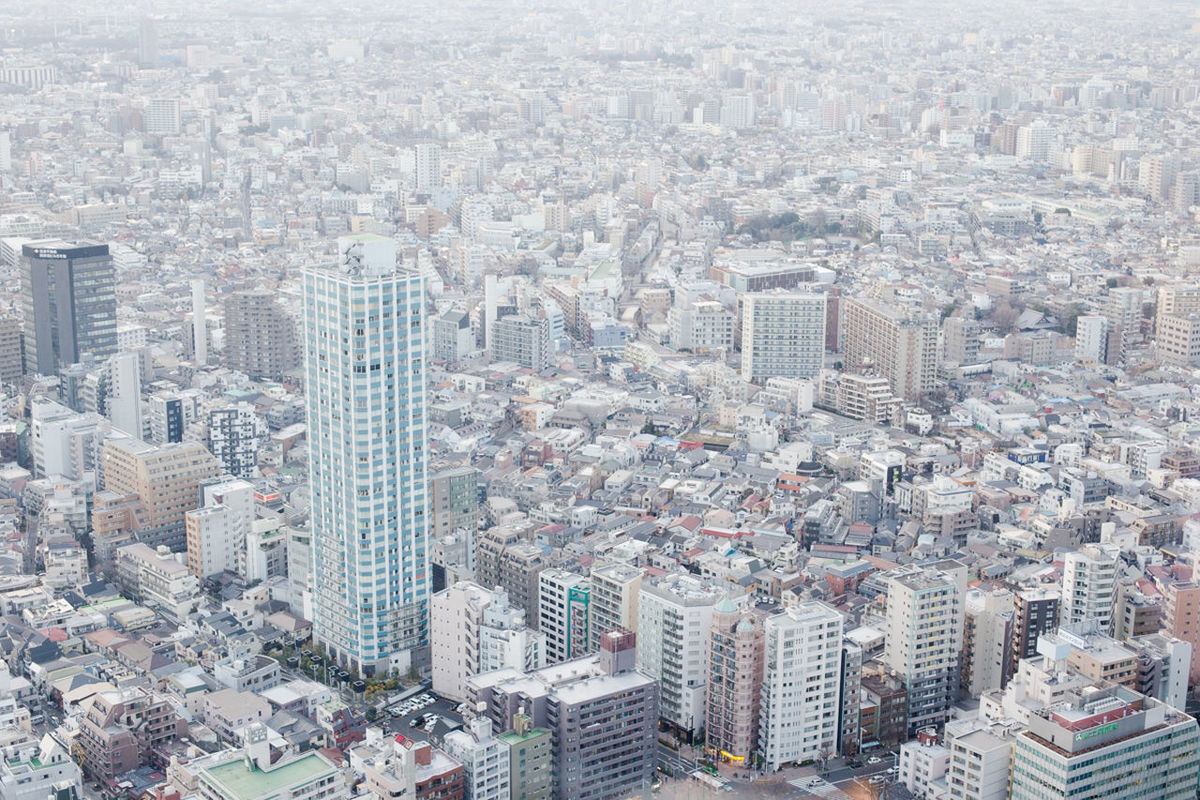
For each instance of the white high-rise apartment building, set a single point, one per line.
(700, 327)
(801, 689)
(199, 327)
(1157, 175)
(235, 434)
(980, 758)
(169, 413)
(783, 334)
(216, 532)
(987, 640)
(614, 602)
(429, 167)
(1089, 584)
(506, 641)
(522, 339)
(564, 613)
(1033, 141)
(162, 116)
(1124, 312)
(1091, 339)
(238, 496)
(674, 629)
(125, 396)
(365, 396)
(62, 441)
(924, 636)
(737, 111)
(475, 211)
(210, 549)
(477, 630)
(485, 760)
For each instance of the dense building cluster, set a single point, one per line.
(497, 403)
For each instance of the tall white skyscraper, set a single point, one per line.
(125, 396)
(491, 301)
(364, 361)
(148, 43)
(801, 689)
(199, 328)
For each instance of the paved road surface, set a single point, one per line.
(846, 773)
(678, 764)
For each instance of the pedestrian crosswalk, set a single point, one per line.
(812, 786)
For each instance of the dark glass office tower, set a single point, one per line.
(70, 304)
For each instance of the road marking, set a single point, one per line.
(819, 787)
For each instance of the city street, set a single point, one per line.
(678, 764)
(866, 770)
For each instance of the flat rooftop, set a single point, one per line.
(238, 782)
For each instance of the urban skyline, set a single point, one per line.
(599, 401)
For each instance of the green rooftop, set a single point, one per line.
(604, 269)
(105, 606)
(236, 782)
(512, 737)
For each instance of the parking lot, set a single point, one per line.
(410, 717)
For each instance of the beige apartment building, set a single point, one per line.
(166, 482)
(886, 341)
(1178, 338)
